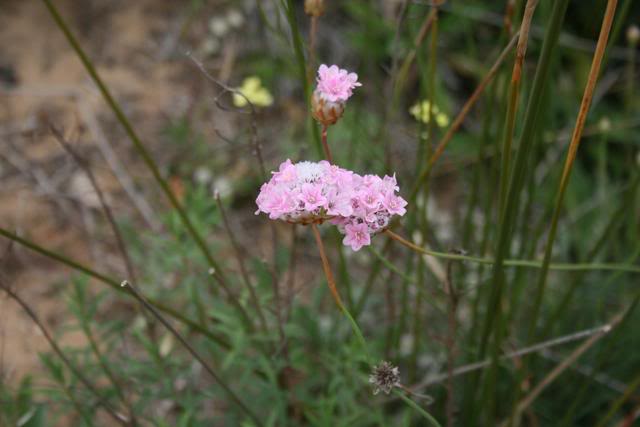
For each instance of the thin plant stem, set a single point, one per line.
(107, 370)
(571, 155)
(459, 119)
(395, 43)
(296, 40)
(512, 106)
(325, 145)
(560, 368)
(237, 251)
(374, 272)
(143, 300)
(610, 229)
(101, 400)
(398, 75)
(603, 355)
(514, 262)
(278, 311)
(417, 407)
(334, 291)
(113, 284)
(326, 267)
(313, 33)
(122, 248)
(291, 271)
(618, 26)
(615, 406)
(450, 341)
(146, 156)
(505, 228)
(565, 339)
(103, 202)
(431, 82)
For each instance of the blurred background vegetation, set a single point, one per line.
(262, 317)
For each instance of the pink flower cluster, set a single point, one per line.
(309, 192)
(336, 84)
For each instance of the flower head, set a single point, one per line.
(384, 377)
(335, 87)
(336, 84)
(254, 92)
(310, 192)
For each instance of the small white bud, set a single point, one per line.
(633, 35)
(218, 26)
(211, 271)
(604, 125)
(235, 18)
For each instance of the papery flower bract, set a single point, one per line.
(252, 90)
(309, 192)
(421, 111)
(334, 87)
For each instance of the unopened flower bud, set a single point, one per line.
(314, 8)
(633, 35)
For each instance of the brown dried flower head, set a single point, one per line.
(384, 377)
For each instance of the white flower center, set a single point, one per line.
(308, 171)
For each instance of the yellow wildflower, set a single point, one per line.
(253, 91)
(421, 111)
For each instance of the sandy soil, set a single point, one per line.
(43, 195)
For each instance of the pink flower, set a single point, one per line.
(395, 204)
(371, 197)
(335, 84)
(357, 236)
(311, 195)
(314, 192)
(339, 204)
(286, 172)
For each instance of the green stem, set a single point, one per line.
(517, 262)
(415, 406)
(302, 69)
(530, 121)
(505, 229)
(573, 147)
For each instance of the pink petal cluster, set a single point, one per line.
(336, 84)
(310, 192)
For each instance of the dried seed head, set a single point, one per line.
(384, 377)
